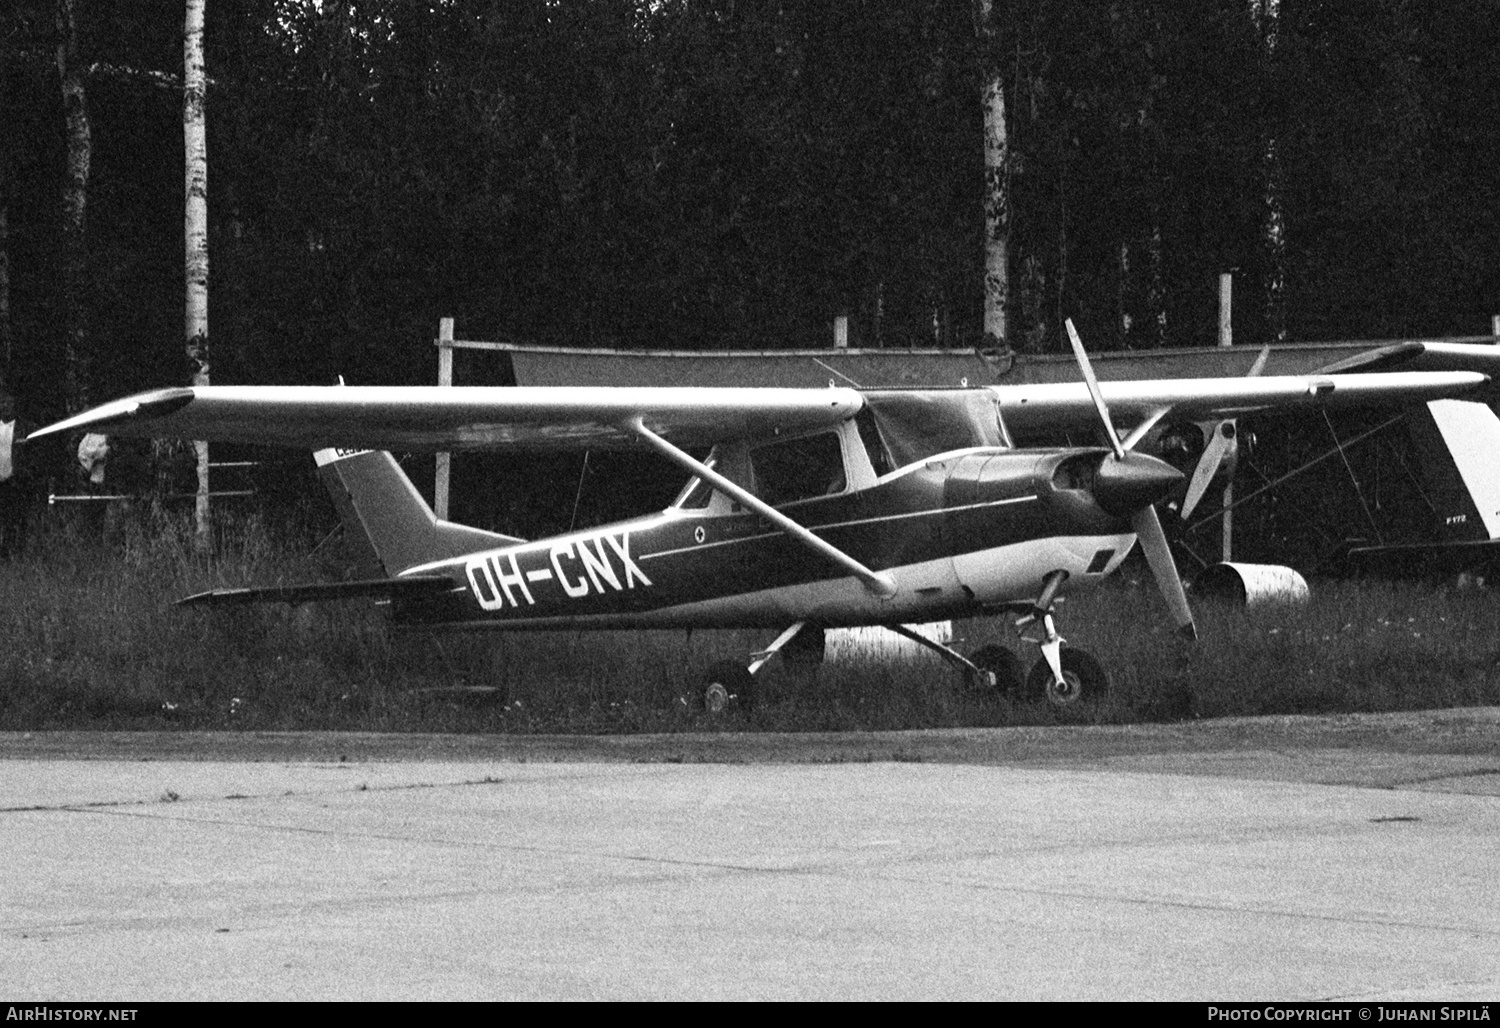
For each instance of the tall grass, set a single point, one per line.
(89, 639)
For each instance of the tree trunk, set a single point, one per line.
(1267, 15)
(6, 354)
(996, 186)
(75, 200)
(195, 223)
(1156, 287)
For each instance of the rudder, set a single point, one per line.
(377, 501)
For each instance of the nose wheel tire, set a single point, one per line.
(1003, 664)
(1084, 681)
(726, 686)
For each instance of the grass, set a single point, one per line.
(89, 639)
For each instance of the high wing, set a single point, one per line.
(1068, 404)
(431, 418)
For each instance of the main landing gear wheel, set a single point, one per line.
(1084, 681)
(1003, 664)
(727, 684)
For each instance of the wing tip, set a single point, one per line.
(157, 404)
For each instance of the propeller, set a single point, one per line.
(1143, 519)
(1220, 452)
(1219, 449)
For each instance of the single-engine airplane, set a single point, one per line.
(814, 508)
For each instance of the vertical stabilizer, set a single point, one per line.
(376, 500)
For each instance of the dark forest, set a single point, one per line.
(690, 174)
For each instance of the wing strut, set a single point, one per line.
(878, 582)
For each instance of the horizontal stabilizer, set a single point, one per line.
(1427, 560)
(315, 592)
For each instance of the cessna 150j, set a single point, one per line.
(814, 509)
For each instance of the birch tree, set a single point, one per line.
(996, 184)
(195, 219)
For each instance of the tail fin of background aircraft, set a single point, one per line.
(1458, 452)
(377, 502)
(1459, 443)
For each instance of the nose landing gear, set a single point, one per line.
(1066, 678)
(1083, 681)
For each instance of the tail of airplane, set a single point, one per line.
(377, 502)
(1457, 444)
(1459, 441)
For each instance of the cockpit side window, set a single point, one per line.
(797, 469)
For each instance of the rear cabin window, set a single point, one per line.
(695, 495)
(798, 469)
(698, 494)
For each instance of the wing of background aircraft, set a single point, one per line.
(1424, 355)
(1064, 405)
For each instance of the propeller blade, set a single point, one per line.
(1093, 384)
(1214, 454)
(1146, 524)
(1154, 542)
(1139, 432)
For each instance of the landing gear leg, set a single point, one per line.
(730, 683)
(1066, 677)
(1051, 647)
(987, 678)
(759, 658)
(1051, 643)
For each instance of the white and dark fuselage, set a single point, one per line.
(960, 533)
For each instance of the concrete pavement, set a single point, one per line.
(1130, 876)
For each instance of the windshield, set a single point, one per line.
(912, 425)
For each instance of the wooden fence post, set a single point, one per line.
(1226, 289)
(445, 378)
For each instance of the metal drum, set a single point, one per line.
(1251, 585)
